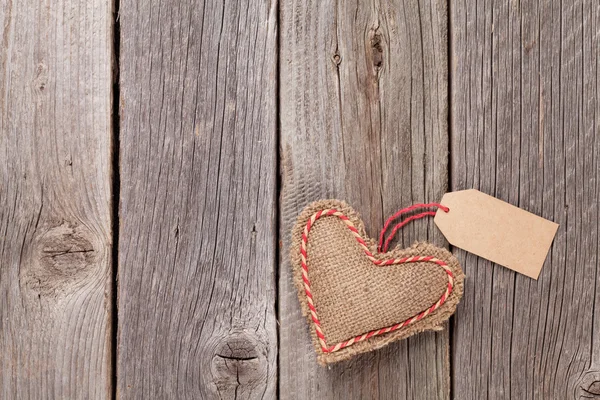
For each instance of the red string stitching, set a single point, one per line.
(378, 262)
(385, 246)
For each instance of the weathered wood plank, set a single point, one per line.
(525, 125)
(198, 193)
(364, 119)
(55, 199)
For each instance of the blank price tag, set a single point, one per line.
(496, 230)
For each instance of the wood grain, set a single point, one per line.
(363, 118)
(55, 199)
(198, 200)
(525, 124)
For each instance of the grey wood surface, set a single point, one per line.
(362, 105)
(525, 128)
(363, 110)
(197, 239)
(55, 199)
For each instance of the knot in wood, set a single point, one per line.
(376, 49)
(41, 78)
(336, 58)
(61, 259)
(240, 366)
(588, 386)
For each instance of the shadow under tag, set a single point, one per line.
(495, 230)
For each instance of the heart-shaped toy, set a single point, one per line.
(357, 299)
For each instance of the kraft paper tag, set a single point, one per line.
(496, 230)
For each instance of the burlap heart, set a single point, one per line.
(357, 299)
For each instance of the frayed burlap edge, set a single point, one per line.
(434, 321)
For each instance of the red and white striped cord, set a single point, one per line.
(378, 262)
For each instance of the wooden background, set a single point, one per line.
(154, 156)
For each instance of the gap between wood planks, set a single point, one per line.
(116, 190)
(450, 160)
(278, 182)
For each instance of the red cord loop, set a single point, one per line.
(384, 246)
